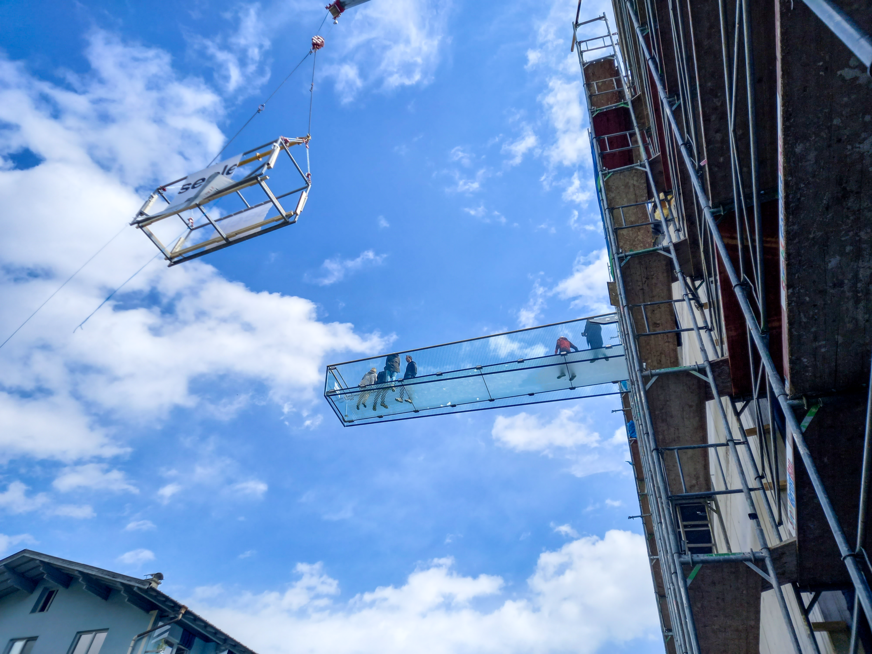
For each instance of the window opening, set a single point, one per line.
(88, 642)
(21, 646)
(187, 640)
(45, 599)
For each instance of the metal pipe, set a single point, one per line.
(797, 596)
(864, 492)
(856, 574)
(679, 605)
(702, 559)
(750, 79)
(846, 29)
(671, 539)
(160, 626)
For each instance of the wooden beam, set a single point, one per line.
(135, 599)
(614, 300)
(54, 575)
(723, 380)
(19, 581)
(93, 586)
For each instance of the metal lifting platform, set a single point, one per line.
(231, 217)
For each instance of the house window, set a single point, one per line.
(44, 601)
(187, 640)
(88, 642)
(21, 646)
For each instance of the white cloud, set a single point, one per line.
(565, 530)
(49, 427)
(343, 514)
(238, 58)
(590, 223)
(387, 45)
(521, 146)
(247, 554)
(465, 184)
(337, 269)
(562, 99)
(93, 476)
(8, 542)
(165, 493)
(524, 432)
(78, 511)
(140, 525)
(574, 193)
(136, 557)
(614, 503)
(16, 500)
(528, 315)
(383, 223)
(126, 124)
(586, 286)
(462, 156)
(566, 434)
(563, 105)
(252, 488)
(575, 601)
(484, 215)
(506, 346)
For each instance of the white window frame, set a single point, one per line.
(42, 598)
(13, 641)
(90, 632)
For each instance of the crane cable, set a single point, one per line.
(260, 109)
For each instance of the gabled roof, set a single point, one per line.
(24, 570)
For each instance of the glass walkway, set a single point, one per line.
(563, 361)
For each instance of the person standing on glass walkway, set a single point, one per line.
(382, 392)
(368, 380)
(593, 332)
(392, 367)
(411, 373)
(564, 347)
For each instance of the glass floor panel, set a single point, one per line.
(510, 369)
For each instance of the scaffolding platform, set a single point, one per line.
(502, 370)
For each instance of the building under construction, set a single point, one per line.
(732, 148)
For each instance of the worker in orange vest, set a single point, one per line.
(564, 347)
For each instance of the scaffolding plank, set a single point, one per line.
(600, 76)
(726, 600)
(827, 234)
(835, 438)
(677, 405)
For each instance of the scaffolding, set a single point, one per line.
(670, 260)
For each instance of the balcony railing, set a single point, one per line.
(508, 369)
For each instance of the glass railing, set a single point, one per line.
(577, 358)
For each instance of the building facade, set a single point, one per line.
(732, 149)
(50, 605)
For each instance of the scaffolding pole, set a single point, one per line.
(758, 338)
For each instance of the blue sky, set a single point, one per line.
(183, 430)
